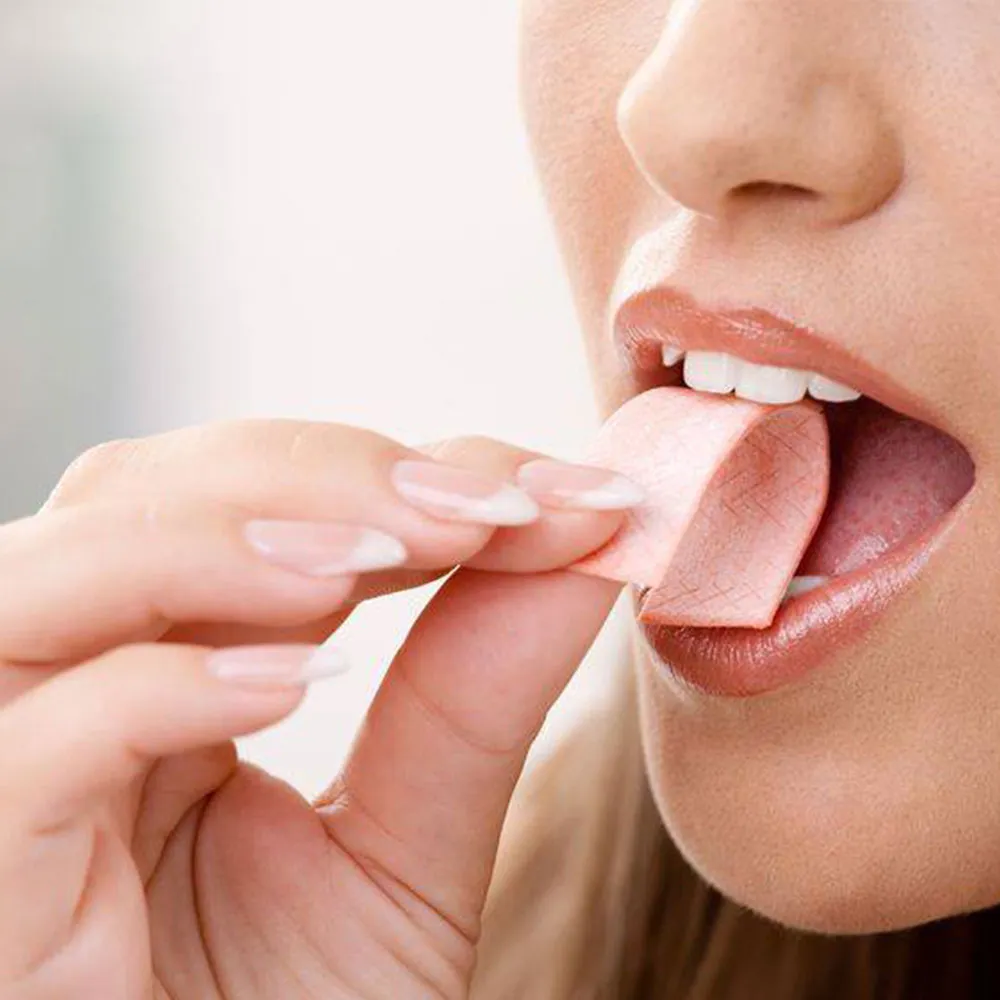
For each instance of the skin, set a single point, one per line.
(866, 796)
(138, 859)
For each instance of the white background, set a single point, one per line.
(331, 214)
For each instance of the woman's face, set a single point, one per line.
(832, 163)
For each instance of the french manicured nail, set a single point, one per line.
(584, 487)
(276, 665)
(325, 548)
(460, 495)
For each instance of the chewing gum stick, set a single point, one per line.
(734, 492)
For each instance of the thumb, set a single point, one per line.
(428, 782)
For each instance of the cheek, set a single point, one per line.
(864, 799)
(576, 57)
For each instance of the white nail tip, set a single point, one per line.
(508, 507)
(376, 550)
(265, 666)
(618, 493)
(828, 391)
(325, 550)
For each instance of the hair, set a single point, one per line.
(592, 900)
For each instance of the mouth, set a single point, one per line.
(897, 481)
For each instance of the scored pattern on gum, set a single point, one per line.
(735, 491)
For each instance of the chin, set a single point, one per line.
(861, 799)
(844, 901)
(821, 880)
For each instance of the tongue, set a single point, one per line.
(735, 491)
(892, 477)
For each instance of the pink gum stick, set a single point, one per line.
(734, 493)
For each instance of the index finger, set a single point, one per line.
(443, 510)
(581, 509)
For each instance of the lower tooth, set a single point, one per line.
(803, 584)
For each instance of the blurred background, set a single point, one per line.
(223, 208)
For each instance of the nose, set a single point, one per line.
(745, 103)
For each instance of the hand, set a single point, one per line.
(138, 859)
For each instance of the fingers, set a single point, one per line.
(71, 744)
(444, 503)
(161, 544)
(93, 730)
(92, 577)
(580, 506)
(286, 470)
(98, 575)
(428, 782)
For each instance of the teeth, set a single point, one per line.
(710, 372)
(803, 584)
(671, 355)
(830, 391)
(767, 384)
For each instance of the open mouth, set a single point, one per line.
(894, 480)
(892, 477)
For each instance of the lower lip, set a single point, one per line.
(808, 629)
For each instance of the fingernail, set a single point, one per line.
(325, 548)
(558, 484)
(276, 665)
(460, 495)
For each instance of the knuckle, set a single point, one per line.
(315, 444)
(478, 442)
(91, 469)
(310, 444)
(282, 445)
(478, 451)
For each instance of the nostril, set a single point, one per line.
(760, 190)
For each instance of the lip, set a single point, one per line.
(651, 318)
(810, 628)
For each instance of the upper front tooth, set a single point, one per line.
(830, 391)
(769, 384)
(711, 372)
(671, 355)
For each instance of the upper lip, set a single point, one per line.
(664, 314)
